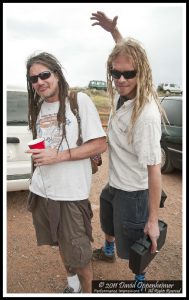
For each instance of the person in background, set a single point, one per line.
(129, 203)
(60, 184)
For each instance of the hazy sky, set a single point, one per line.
(64, 29)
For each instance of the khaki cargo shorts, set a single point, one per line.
(66, 224)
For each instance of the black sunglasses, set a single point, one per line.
(43, 75)
(126, 74)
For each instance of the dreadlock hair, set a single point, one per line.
(132, 49)
(34, 100)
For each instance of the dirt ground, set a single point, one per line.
(33, 269)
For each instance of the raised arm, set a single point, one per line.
(108, 24)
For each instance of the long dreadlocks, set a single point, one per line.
(145, 90)
(34, 100)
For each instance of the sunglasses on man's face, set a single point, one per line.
(43, 75)
(126, 74)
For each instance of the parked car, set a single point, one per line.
(98, 85)
(171, 140)
(18, 135)
(170, 88)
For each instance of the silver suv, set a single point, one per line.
(170, 88)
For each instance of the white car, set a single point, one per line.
(170, 88)
(18, 136)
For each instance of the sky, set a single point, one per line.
(64, 29)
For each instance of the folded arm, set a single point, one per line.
(51, 156)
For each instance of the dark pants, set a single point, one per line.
(123, 215)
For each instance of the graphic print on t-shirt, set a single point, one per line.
(47, 127)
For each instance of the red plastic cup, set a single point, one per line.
(37, 144)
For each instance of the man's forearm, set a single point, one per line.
(116, 35)
(86, 150)
(154, 179)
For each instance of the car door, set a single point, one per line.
(171, 140)
(18, 136)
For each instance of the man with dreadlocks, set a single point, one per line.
(61, 181)
(129, 203)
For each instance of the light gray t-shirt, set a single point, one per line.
(69, 180)
(128, 162)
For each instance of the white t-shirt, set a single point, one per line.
(128, 162)
(70, 180)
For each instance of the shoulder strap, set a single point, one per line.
(75, 110)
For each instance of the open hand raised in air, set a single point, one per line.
(105, 22)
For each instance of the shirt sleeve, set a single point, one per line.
(147, 142)
(91, 125)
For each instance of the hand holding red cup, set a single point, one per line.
(37, 144)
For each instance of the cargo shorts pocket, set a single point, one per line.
(31, 201)
(81, 252)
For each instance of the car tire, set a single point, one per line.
(166, 165)
(167, 93)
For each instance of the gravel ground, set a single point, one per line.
(33, 269)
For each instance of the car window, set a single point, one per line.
(173, 109)
(17, 108)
